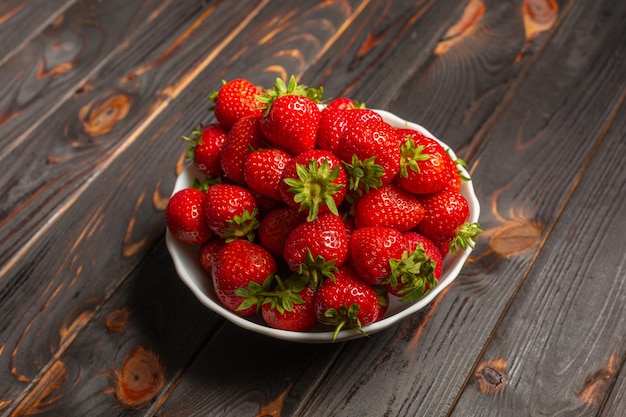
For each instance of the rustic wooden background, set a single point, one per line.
(94, 96)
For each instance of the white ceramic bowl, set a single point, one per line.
(187, 265)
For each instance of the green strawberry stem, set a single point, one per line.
(254, 294)
(282, 298)
(410, 155)
(194, 140)
(292, 88)
(466, 236)
(317, 269)
(364, 175)
(243, 226)
(415, 272)
(345, 317)
(315, 187)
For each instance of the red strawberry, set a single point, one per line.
(234, 100)
(244, 137)
(425, 166)
(371, 249)
(317, 248)
(263, 170)
(241, 270)
(291, 117)
(204, 150)
(343, 103)
(445, 220)
(185, 217)
(276, 226)
(388, 206)
(208, 253)
(315, 182)
(417, 271)
(371, 150)
(346, 302)
(231, 211)
(290, 306)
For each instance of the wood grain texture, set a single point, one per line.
(575, 326)
(22, 20)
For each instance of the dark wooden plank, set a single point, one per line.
(21, 20)
(522, 188)
(563, 340)
(85, 256)
(79, 269)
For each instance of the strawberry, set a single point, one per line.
(204, 149)
(346, 302)
(425, 166)
(263, 169)
(208, 253)
(388, 206)
(244, 137)
(234, 100)
(372, 248)
(314, 182)
(371, 151)
(241, 270)
(317, 248)
(291, 116)
(185, 217)
(417, 271)
(276, 225)
(290, 306)
(343, 103)
(231, 211)
(445, 220)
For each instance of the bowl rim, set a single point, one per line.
(187, 265)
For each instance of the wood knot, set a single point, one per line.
(116, 320)
(491, 376)
(515, 238)
(100, 118)
(140, 379)
(539, 16)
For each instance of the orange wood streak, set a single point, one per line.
(596, 386)
(491, 376)
(62, 68)
(5, 403)
(159, 201)
(8, 15)
(274, 408)
(69, 331)
(131, 247)
(173, 46)
(116, 320)
(472, 14)
(539, 16)
(515, 238)
(41, 398)
(140, 379)
(102, 118)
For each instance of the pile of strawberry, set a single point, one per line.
(307, 215)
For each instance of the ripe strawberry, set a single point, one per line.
(315, 182)
(372, 248)
(417, 271)
(276, 226)
(371, 151)
(445, 220)
(231, 211)
(185, 217)
(346, 302)
(208, 253)
(291, 117)
(242, 270)
(388, 206)
(234, 100)
(343, 103)
(244, 137)
(263, 170)
(425, 166)
(204, 149)
(317, 248)
(290, 306)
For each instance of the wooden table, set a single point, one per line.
(94, 98)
